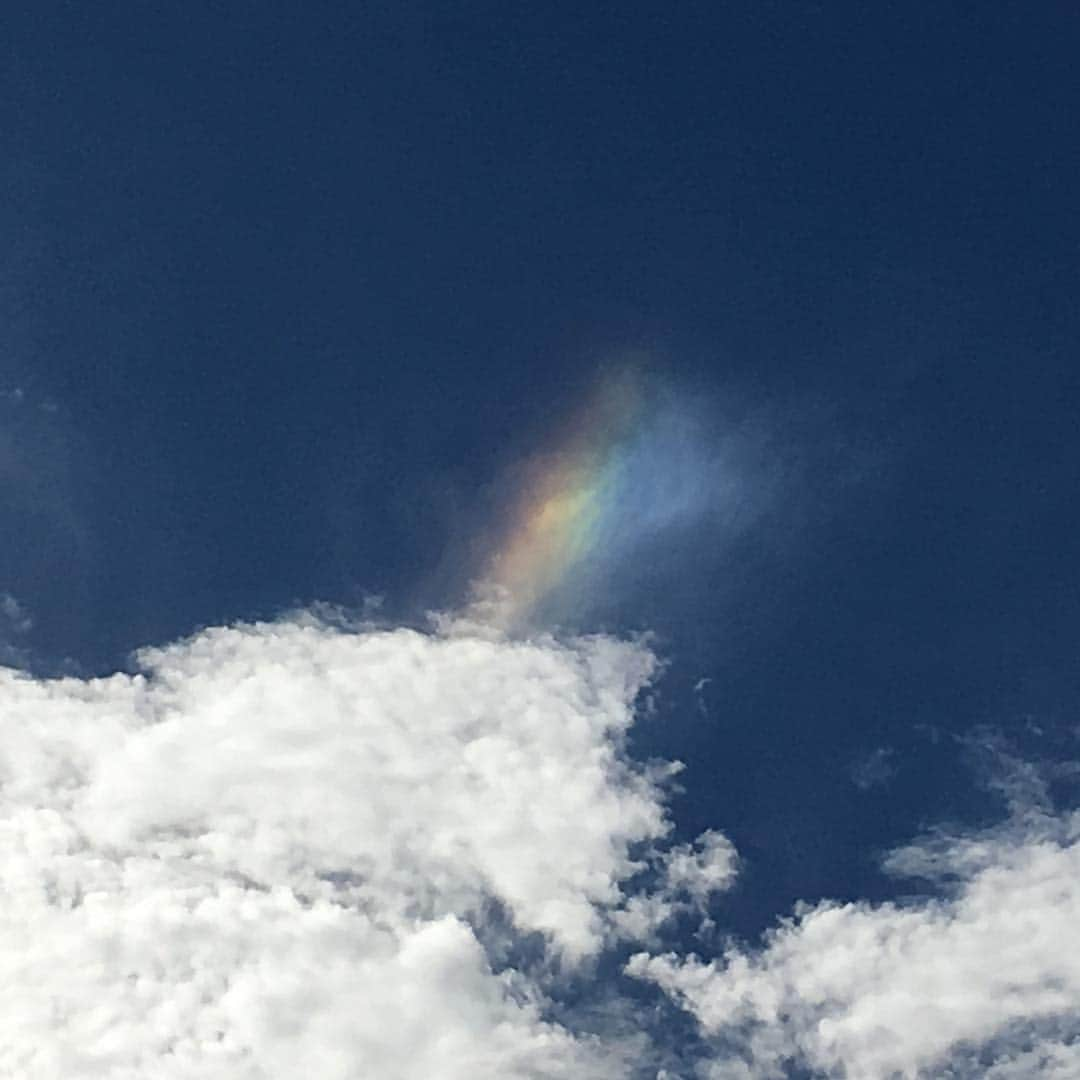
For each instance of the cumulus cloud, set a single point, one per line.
(981, 980)
(271, 852)
(295, 849)
(687, 876)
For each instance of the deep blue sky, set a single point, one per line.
(286, 286)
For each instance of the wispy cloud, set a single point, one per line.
(874, 769)
(639, 461)
(978, 981)
(14, 618)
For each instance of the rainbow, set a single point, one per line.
(619, 471)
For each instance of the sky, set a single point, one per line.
(539, 541)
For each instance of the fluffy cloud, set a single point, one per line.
(982, 981)
(274, 853)
(687, 877)
(291, 849)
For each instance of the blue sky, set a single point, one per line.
(291, 293)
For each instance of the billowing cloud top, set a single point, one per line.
(267, 855)
(291, 850)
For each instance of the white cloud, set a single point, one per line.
(688, 875)
(270, 854)
(1049, 1059)
(702, 868)
(965, 985)
(288, 850)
